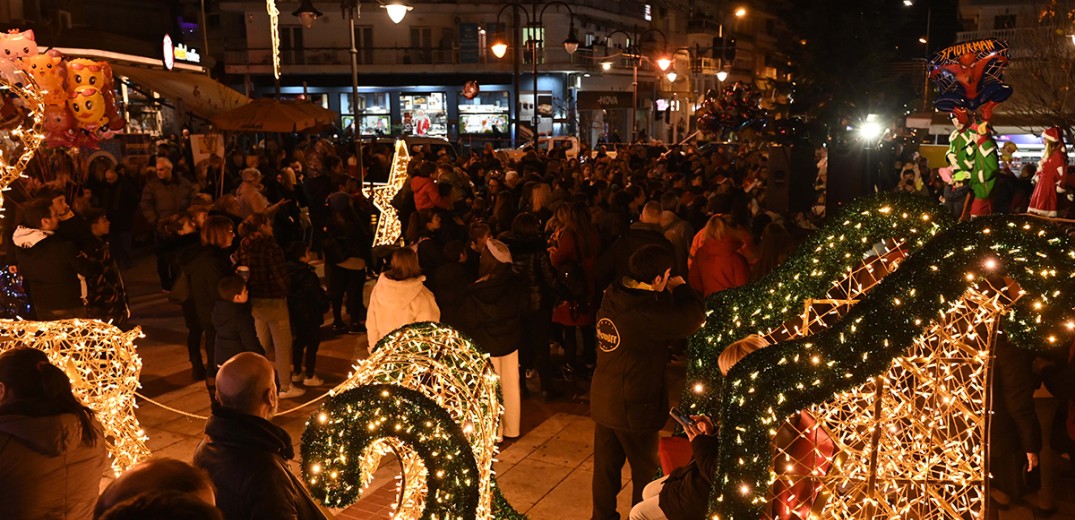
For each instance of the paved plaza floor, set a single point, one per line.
(545, 474)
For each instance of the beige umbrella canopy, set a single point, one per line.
(271, 115)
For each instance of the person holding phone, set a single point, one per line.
(683, 493)
(641, 314)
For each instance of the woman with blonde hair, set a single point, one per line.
(540, 202)
(399, 298)
(717, 264)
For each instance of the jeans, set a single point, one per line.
(274, 334)
(650, 508)
(195, 331)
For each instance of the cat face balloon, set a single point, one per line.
(16, 45)
(88, 106)
(50, 73)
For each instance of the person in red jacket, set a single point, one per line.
(717, 263)
(426, 192)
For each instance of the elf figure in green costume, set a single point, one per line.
(984, 172)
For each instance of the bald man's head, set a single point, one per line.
(651, 213)
(245, 384)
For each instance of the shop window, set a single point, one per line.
(486, 114)
(374, 112)
(424, 114)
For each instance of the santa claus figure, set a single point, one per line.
(1052, 171)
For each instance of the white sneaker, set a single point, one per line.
(294, 391)
(312, 381)
(296, 378)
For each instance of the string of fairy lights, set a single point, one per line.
(822, 260)
(389, 229)
(103, 366)
(427, 395)
(24, 139)
(931, 285)
(274, 35)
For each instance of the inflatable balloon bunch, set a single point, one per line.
(970, 76)
(80, 102)
(730, 110)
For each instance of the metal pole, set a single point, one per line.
(535, 23)
(634, 100)
(352, 12)
(517, 79)
(925, 64)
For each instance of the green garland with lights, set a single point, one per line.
(359, 416)
(821, 261)
(773, 383)
(427, 395)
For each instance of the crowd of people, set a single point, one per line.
(563, 270)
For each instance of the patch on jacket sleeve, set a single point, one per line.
(608, 336)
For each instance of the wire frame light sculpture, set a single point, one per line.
(389, 228)
(103, 366)
(22, 134)
(909, 444)
(427, 395)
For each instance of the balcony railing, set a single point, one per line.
(1002, 34)
(583, 59)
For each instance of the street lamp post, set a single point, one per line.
(534, 20)
(636, 59)
(307, 13)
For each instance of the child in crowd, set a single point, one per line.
(307, 304)
(234, 323)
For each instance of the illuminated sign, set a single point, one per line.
(647, 12)
(169, 52)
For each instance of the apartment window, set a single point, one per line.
(291, 48)
(1004, 21)
(421, 45)
(770, 26)
(364, 43)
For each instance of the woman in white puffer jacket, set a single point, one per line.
(399, 298)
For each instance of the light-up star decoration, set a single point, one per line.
(389, 228)
(430, 397)
(103, 366)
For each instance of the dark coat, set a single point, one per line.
(235, 331)
(50, 270)
(492, 312)
(530, 262)
(119, 200)
(246, 458)
(685, 495)
(612, 265)
(106, 296)
(634, 327)
(206, 265)
(450, 289)
(307, 301)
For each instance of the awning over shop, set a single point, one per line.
(597, 100)
(203, 95)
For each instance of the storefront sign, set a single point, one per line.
(169, 52)
(468, 43)
(187, 54)
(590, 100)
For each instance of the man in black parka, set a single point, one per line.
(640, 315)
(245, 454)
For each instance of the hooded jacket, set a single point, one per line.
(612, 265)
(634, 326)
(49, 267)
(246, 458)
(492, 313)
(718, 266)
(395, 303)
(46, 471)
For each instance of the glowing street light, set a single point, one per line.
(396, 11)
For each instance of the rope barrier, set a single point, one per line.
(202, 417)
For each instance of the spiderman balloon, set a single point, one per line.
(969, 76)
